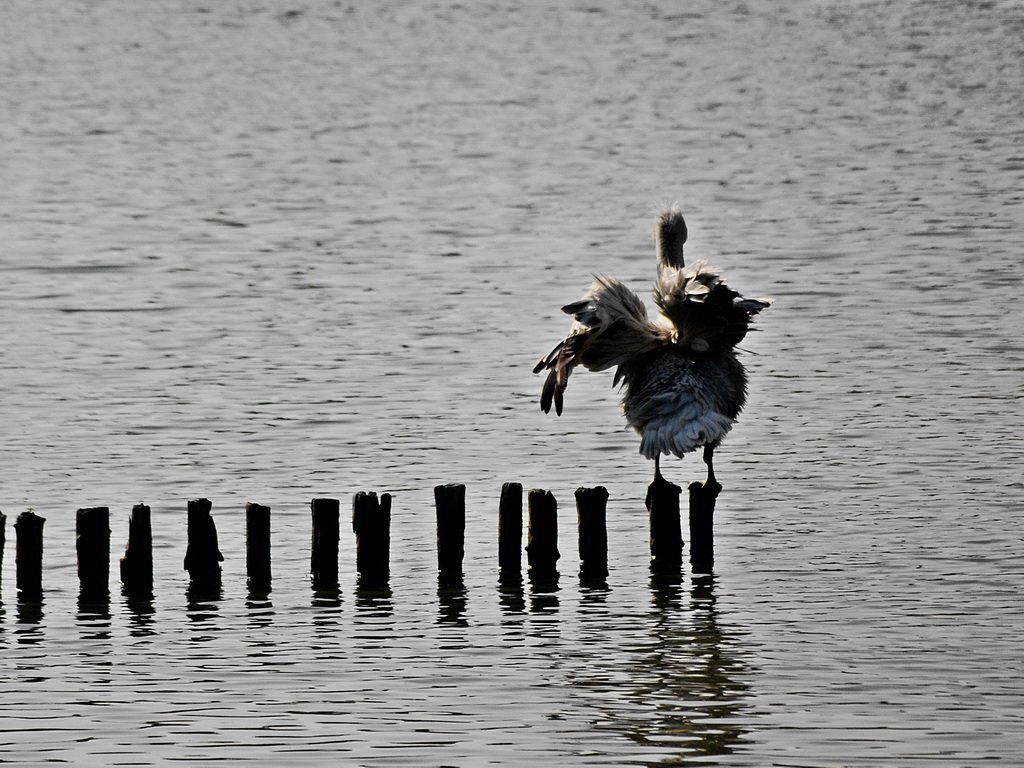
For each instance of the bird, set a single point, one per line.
(683, 383)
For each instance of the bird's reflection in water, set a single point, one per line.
(678, 685)
(693, 672)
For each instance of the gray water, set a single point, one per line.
(275, 251)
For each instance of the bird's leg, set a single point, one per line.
(657, 468)
(709, 460)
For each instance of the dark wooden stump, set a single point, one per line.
(371, 523)
(92, 545)
(28, 529)
(323, 562)
(510, 534)
(202, 557)
(702, 518)
(542, 537)
(137, 563)
(591, 506)
(450, 503)
(666, 534)
(257, 548)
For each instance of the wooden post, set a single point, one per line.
(510, 533)
(137, 563)
(542, 538)
(326, 533)
(371, 523)
(666, 535)
(450, 503)
(702, 518)
(28, 528)
(591, 504)
(92, 545)
(257, 548)
(202, 557)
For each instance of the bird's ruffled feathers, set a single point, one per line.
(704, 311)
(611, 327)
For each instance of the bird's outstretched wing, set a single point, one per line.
(703, 309)
(610, 328)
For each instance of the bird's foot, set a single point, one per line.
(712, 486)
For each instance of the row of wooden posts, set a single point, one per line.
(371, 522)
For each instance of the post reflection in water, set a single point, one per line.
(260, 610)
(260, 640)
(682, 686)
(327, 597)
(326, 621)
(511, 599)
(544, 592)
(202, 610)
(373, 625)
(594, 597)
(94, 618)
(451, 600)
(30, 618)
(141, 612)
(374, 601)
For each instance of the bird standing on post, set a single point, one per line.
(684, 386)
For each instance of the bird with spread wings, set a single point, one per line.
(683, 383)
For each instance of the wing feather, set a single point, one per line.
(703, 309)
(610, 328)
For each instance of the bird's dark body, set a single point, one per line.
(676, 399)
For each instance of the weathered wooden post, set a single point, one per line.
(137, 563)
(591, 505)
(202, 557)
(542, 537)
(450, 504)
(666, 535)
(323, 562)
(371, 523)
(257, 548)
(702, 518)
(510, 534)
(28, 529)
(92, 545)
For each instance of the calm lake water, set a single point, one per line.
(270, 251)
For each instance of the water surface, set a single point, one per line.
(264, 252)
